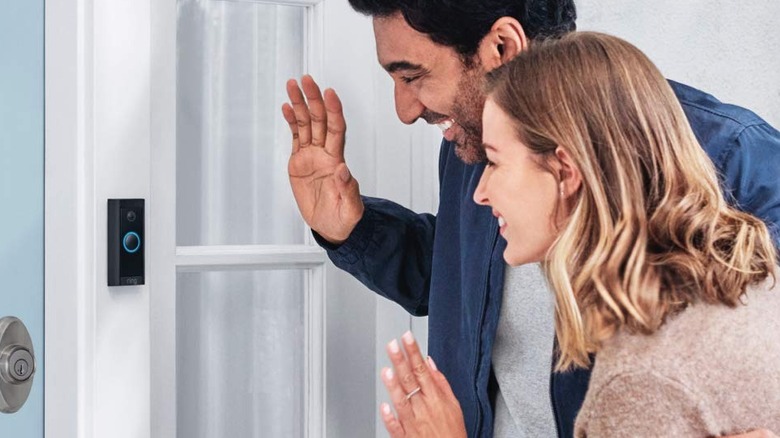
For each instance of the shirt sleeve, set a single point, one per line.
(751, 175)
(642, 404)
(390, 251)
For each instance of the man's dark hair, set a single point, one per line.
(461, 24)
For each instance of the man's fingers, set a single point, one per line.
(289, 117)
(302, 115)
(348, 187)
(393, 426)
(336, 126)
(397, 395)
(316, 110)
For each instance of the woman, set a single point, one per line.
(594, 171)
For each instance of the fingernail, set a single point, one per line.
(393, 345)
(385, 408)
(344, 174)
(432, 364)
(389, 373)
(408, 338)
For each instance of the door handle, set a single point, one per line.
(17, 364)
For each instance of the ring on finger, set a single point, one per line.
(411, 394)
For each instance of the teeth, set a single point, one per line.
(445, 125)
(501, 222)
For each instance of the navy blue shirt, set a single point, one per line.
(451, 268)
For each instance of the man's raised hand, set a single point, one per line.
(327, 194)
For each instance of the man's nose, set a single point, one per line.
(407, 106)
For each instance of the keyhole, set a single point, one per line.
(21, 368)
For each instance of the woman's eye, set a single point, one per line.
(490, 163)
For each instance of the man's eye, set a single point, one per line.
(490, 163)
(408, 79)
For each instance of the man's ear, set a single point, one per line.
(505, 40)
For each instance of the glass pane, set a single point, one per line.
(240, 354)
(233, 59)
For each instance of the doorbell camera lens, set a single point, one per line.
(131, 216)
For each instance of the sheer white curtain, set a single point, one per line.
(240, 335)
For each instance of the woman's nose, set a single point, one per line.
(480, 194)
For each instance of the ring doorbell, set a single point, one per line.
(125, 242)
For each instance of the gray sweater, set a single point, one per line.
(709, 371)
(522, 355)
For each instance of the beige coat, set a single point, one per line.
(709, 371)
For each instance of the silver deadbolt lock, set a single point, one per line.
(17, 364)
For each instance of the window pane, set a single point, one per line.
(240, 354)
(233, 59)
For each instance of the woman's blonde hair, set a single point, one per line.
(649, 232)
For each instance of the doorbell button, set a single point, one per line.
(131, 242)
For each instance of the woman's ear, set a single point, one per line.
(505, 40)
(570, 175)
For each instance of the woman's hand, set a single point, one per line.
(424, 403)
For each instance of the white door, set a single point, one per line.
(242, 327)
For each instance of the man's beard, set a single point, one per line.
(467, 112)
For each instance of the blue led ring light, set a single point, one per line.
(137, 238)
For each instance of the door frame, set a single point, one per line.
(94, 334)
(98, 145)
(69, 220)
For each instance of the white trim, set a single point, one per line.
(69, 220)
(316, 289)
(161, 230)
(315, 341)
(314, 49)
(248, 257)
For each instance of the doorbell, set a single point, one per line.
(126, 241)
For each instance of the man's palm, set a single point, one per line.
(327, 196)
(312, 177)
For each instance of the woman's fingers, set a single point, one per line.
(393, 426)
(302, 115)
(440, 380)
(403, 369)
(429, 409)
(397, 395)
(418, 365)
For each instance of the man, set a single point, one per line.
(450, 266)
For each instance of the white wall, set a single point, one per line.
(729, 48)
